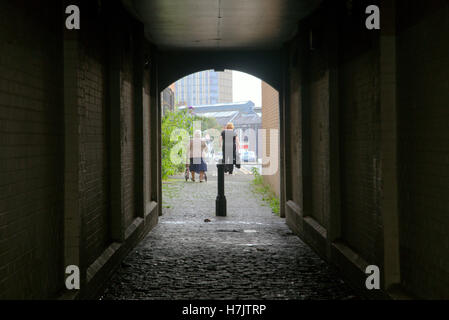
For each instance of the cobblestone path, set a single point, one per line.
(250, 254)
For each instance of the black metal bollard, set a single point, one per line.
(220, 202)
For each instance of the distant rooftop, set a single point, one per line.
(244, 106)
(239, 113)
(220, 114)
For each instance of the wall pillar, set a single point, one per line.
(155, 127)
(159, 143)
(73, 240)
(115, 145)
(389, 190)
(306, 168)
(284, 129)
(138, 70)
(334, 227)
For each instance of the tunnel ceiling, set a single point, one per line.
(220, 24)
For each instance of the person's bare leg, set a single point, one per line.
(193, 175)
(201, 176)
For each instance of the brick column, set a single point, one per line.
(284, 188)
(115, 146)
(306, 168)
(139, 118)
(72, 210)
(147, 156)
(334, 227)
(155, 127)
(159, 144)
(74, 239)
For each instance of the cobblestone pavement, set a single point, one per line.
(250, 254)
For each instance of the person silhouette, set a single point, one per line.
(230, 146)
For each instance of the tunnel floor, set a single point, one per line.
(249, 254)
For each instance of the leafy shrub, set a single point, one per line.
(267, 195)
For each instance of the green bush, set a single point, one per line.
(267, 195)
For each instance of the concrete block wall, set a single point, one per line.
(57, 98)
(423, 99)
(308, 212)
(383, 210)
(110, 111)
(31, 149)
(359, 104)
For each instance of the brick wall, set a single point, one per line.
(360, 133)
(423, 86)
(270, 120)
(56, 91)
(340, 56)
(148, 157)
(94, 182)
(31, 149)
(363, 78)
(127, 129)
(319, 132)
(294, 158)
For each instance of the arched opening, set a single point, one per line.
(195, 254)
(208, 101)
(265, 65)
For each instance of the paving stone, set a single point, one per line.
(184, 257)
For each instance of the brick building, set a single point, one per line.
(270, 121)
(204, 87)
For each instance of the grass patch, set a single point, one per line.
(259, 187)
(170, 190)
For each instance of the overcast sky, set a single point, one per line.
(246, 87)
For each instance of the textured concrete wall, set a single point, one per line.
(31, 149)
(423, 99)
(270, 120)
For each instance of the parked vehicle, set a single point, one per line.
(248, 156)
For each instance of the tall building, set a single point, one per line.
(204, 87)
(167, 100)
